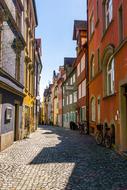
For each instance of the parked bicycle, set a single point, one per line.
(103, 136)
(83, 128)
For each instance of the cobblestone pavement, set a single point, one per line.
(57, 159)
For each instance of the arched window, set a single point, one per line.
(93, 109)
(108, 67)
(110, 77)
(92, 74)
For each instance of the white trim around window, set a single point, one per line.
(108, 12)
(110, 77)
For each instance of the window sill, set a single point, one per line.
(93, 121)
(106, 30)
(109, 96)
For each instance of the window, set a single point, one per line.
(93, 109)
(74, 78)
(78, 69)
(67, 119)
(83, 63)
(75, 96)
(70, 98)
(92, 67)
(84, 88)
(120, 23)
(63, 89)
(63, 102)
(91, 25)
(110, 77)
(108, 12)
(79, 91)
(67, 100)
(71, 81)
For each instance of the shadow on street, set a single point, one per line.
(96, 168)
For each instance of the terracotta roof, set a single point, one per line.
(79, 25)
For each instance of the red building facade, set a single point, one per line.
(80, 35)
(61, 76)
(108, 67)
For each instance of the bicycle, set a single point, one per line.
(83, 128)
(103, 136)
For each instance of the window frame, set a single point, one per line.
(108, 10)
(92, 67)
(70, 99)
(91, 24)
(110, 76)
(80, 91)
(82, 63)
(83, 87)
(75, 96)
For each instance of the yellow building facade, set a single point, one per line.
(29, 116)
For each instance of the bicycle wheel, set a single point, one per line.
(99, 138)
(108, 141)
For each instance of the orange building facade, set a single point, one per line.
(108, 68)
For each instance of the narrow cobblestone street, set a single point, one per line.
(59, 159)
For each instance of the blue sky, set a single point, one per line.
(56, 19)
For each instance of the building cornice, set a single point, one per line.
(8, 76)
(11, 89)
